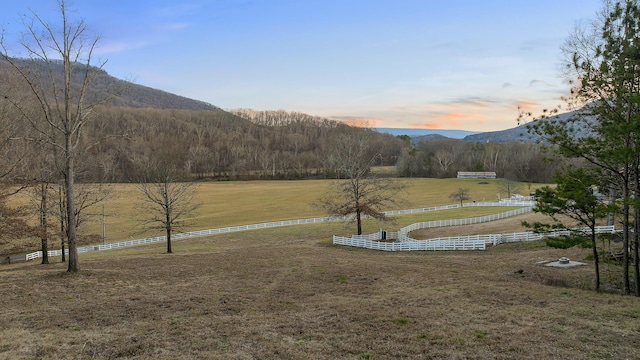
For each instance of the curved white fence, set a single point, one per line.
(229, 229)
(470, 242)
(458, 243)
(403, 234)
(184, 235)
(379, 241)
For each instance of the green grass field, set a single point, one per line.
(239, 203)
(225, 204)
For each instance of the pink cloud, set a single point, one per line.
(452, 119)
(527, 106)
(470, 113)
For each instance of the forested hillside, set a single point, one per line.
(214, 144)
(121, 92)
(141, 127)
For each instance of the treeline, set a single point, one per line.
(444, 157)
(246, 144)
(214, 144)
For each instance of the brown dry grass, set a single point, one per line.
(273, 295)
(287, 293)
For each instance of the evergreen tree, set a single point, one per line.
(603, 62)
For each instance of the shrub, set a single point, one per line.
(567, 241)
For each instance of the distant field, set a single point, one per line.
(247, 202)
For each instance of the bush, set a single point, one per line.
(567, 241)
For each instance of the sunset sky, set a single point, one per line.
(438, 64)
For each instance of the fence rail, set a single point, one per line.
(184, 235)
(230, 229)
(470, 242)
(458, 243)
(403, 233)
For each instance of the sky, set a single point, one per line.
(434, 64)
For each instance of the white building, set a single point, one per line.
(476, 175)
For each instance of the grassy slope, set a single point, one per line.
(287, 293)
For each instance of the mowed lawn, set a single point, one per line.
(288, 293)
(225, 204)
(240, 203)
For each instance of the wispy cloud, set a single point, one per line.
(527, 105)
(477, 101)
(119, 46)
(450, 120)
(540, 83)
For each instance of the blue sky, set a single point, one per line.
(445, 64)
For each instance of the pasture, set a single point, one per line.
(288, 293)
(240, 203)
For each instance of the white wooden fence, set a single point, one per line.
(403, 234)
(184, 235)
(457, 243)
(469, 242)
(230, 229)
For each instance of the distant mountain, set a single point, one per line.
(138, 96)
(521, 133)
(515, 134)
(200, 139)
(128, 94)
(414, 133)
(518, 133)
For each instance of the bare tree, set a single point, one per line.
(87, 198)
(358, 193)
(461, 195)
(445, 159)
(167, 202)
(40, 194)
(63, 99)
(509, 187)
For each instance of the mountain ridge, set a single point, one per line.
(134, 95)
(419, 132)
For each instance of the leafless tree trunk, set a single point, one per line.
(63, 99)
(358, 193)
(461, 195)
(445, 159)
(44, 222)
(166, 201)
(63, 227)
(509, 187)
